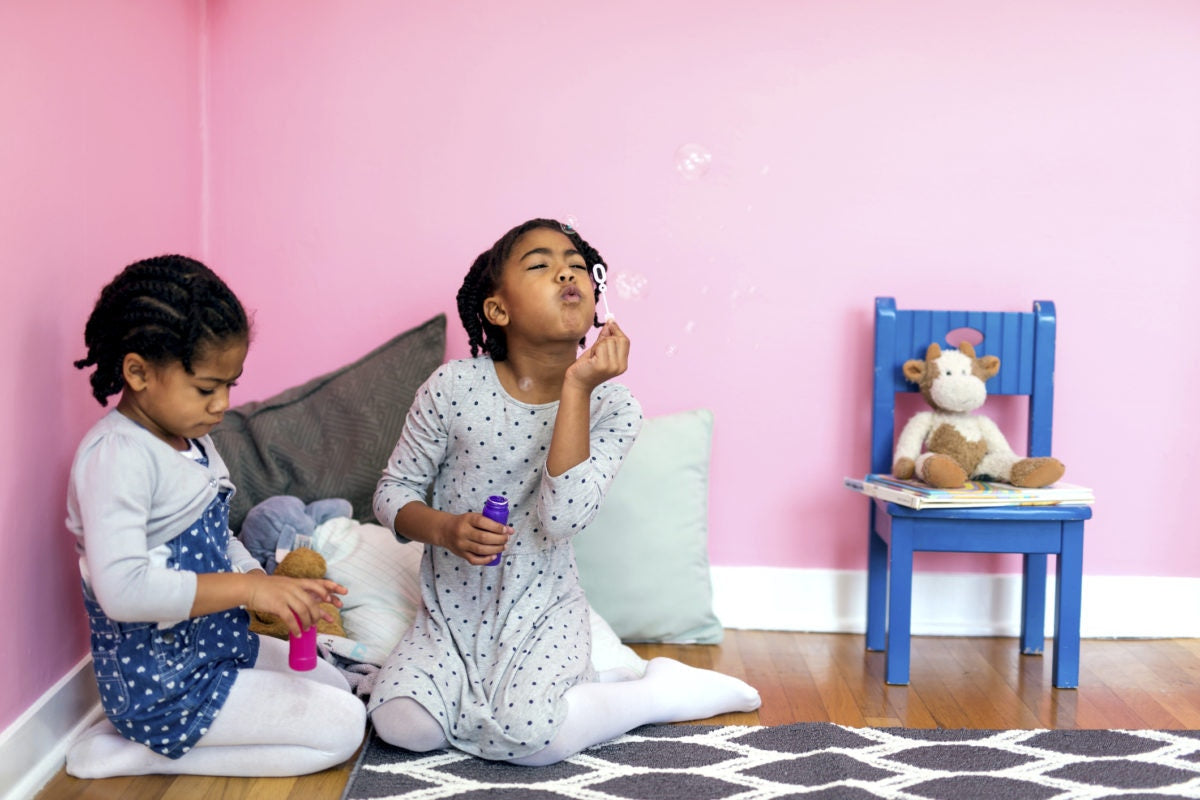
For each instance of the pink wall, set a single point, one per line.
(100, 165)
(341, 164)
(950, 154)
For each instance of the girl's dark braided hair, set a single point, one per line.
(167, 308)
(484, 275)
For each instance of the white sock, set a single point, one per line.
(274, 722)
(670, 691)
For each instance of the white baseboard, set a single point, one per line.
(949, 604)
(34, 747)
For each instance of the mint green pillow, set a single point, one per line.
(643, 560)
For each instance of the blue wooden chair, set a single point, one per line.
(1024, 342)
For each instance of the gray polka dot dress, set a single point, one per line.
(494, 649)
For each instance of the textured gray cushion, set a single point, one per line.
(331, 436)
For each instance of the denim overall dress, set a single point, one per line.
(163, 686)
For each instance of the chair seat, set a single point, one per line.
(1005, 513)
(981, 530)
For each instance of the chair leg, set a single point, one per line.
(899, 602)
(1033, 604)
(877, 567)
(1067, 605)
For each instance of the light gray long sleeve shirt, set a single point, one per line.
(129, 494)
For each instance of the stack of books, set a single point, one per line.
(975, 494)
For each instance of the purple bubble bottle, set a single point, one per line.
(302, 649)
(496, 508)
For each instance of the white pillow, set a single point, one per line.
(382, 578)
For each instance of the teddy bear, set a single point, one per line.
(284, 525)
(302, 562)
(960, 445)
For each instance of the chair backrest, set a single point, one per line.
(1022, 340)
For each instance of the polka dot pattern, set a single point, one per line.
(495, 648)
(163, 686)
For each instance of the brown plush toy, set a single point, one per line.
(302, 562)
(958, 444)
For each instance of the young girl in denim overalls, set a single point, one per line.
(185, 686)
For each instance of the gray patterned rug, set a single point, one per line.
(808, 760)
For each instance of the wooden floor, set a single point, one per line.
(956, 683)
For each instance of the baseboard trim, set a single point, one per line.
(951, 604)
(34, 747)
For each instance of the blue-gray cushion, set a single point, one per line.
(643, 560)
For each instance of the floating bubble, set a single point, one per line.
(525, 384)
(630, 285)
(691, 326)
(692, 161)
(570, 224)
(745, 293)
(671, 350)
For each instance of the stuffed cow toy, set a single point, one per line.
(950, 445)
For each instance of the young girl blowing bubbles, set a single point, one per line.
(498, 662)
(186, 687)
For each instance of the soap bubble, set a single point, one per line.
(525, 384)
(570, 224)
(691, 326)
(630, 285)
(671, 350)
(693, 161)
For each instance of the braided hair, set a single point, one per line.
(484, 276)
(167, 308)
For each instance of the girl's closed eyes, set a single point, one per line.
(547, 266)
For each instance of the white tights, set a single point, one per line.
(275, 722)
(596, 712)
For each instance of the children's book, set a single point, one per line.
(915, 494)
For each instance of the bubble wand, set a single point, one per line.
(601, 276)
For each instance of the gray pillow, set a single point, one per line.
(331, 436)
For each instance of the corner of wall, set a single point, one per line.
(204, 97)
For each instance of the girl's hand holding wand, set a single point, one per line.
(607, 358)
